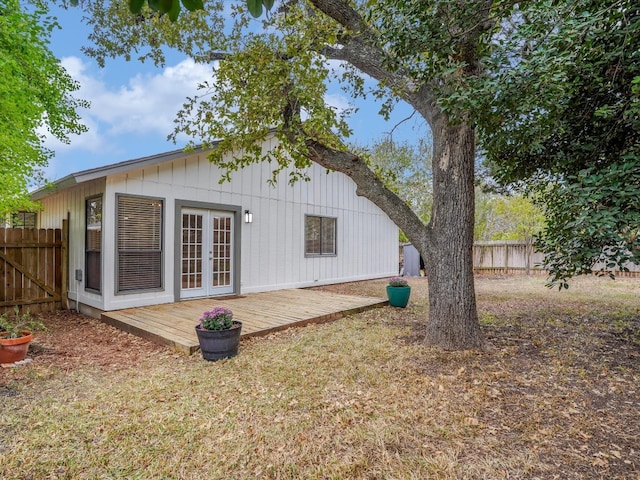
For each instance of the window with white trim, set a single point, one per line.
(139, 243)
(319, 235)
(93, 244)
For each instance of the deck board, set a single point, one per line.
(260, 313)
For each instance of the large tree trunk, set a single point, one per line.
(453, 319)
(446, 243)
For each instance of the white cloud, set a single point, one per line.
(149, 102)
(142, 104)
(338, 102)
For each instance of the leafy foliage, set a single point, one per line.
(15, 326)
(594, 221)
(170, 7)
(34, 93)
(566, 101)
(507, 217)
(406, 170)
(255, 6)
(565, 124)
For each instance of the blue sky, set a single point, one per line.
(133, 105)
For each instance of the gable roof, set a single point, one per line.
(113, 169)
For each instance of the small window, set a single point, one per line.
(139, 243)
(320, 236)
(20, 220)
(93, 244)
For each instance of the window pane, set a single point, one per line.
(139, 270)
(19, 220)
(139, 223)
(328, 246)
(312, 236)
(320, 235)
(139, 242)
(93, 268)
(93, 244)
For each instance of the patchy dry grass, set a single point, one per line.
(360, 398)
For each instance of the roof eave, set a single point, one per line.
(113, 169)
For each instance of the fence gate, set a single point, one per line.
(33, 268)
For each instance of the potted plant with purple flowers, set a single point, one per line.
(218, 334)
(398, 292)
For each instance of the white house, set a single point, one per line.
(160, 229)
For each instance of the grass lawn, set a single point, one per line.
(556, 396)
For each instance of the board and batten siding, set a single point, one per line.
(272, 246)
(70, 203)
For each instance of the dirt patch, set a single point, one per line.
(73, 340)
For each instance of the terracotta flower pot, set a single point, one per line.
(13, 350)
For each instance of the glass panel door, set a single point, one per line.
(191, 261)
(207, 253)
(221, 253)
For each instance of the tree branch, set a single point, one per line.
(368, 185)
(362, 48)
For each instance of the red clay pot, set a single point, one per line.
(13, 350)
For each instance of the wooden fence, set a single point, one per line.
(518, 257)
(33, 268)
(506, 257)
(497, 257)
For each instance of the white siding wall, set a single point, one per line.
(272, 254)
(71, 202)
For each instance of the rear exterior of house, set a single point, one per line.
(162, 229)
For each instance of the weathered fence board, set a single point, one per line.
(506, 257)
(32, 268)
(498, 257)
(515, 256)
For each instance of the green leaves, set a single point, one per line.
(255, 6)
(135, 5)
(593, 221)
(561, 96)
(35, 92)
(170, 7)
(193, 5)
(560, 116)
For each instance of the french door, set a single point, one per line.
(207, 261)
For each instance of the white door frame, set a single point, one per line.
(207, 250)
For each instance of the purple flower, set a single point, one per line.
(218, 318)
(398, 282)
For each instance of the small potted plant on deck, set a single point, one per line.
(16, 334)
(218, 334)
(398, 292)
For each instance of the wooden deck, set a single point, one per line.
(260, 313)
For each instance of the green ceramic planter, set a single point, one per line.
(398, 296)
